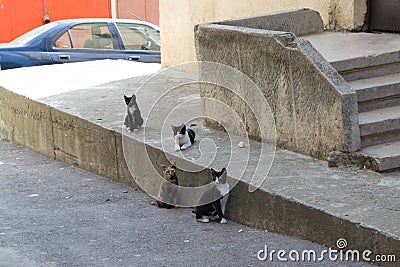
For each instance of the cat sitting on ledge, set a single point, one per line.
(133, 118)
(183, 137)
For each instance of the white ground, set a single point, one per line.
(60, 78)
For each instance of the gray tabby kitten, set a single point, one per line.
(133, 119)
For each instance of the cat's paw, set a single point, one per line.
(223, 220)
(177, 148)
(135, 130)
(186, 146)
(203, 220)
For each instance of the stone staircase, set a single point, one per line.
(376, 80)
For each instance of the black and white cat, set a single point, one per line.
(183, 137)
(133, 119)
(219, 192)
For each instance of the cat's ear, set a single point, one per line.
(173, 166)
(133, 98)
(182, 129)
(162, 166)
(127, 99)
(223, 175)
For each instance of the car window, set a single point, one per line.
(139, 37)
(63, 41)
(95, 36)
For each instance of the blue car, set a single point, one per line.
(77, 40)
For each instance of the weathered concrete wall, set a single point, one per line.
(178, 17)
(26, 122)
(58, 135)
(345, 14)
(315, 110)
(84, 144)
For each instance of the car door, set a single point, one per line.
(140, 42)
(85, 42)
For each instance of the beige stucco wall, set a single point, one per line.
(178, 17)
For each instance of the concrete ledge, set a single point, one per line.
(299, 22)
(301, 196)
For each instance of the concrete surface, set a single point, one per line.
(314, 108)
(376, 87)
(24, 81)
(53, 214)
(377, 121)
(388, 154)
(342, 46)
(300, 197)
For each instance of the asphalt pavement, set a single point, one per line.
(53, 214)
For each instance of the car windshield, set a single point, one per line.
(25, 38)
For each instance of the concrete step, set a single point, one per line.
(368, 66)
(377, 92)
(386, 156)
(379, 103)
(371, 71)
(366, 61)
(379, 121)
(379, 126)
(381, 138)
